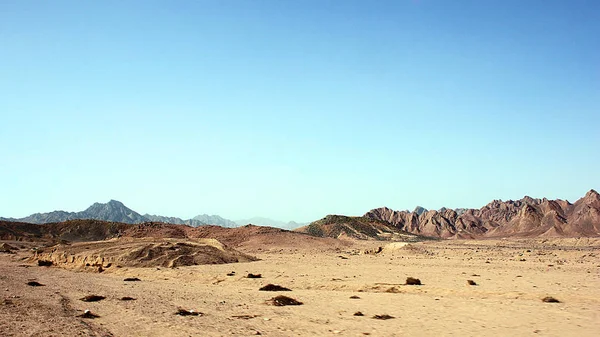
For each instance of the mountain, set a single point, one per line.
(527, 217)
(55, 216)
(420, 210)
(116, 211)
(174, 220)
(111, 211)
(260, 221)
(215, 220)
(338, 226)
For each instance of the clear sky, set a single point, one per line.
(296, 109)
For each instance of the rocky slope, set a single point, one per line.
(527, 217)
(139, 252)
(364, 228)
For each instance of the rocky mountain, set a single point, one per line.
(527, 217)
(116, 211)
(215, 220)
(110, 211)
(338, 226)
(260, 221)
(420, 210)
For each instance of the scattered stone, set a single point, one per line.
(373, 251)
(413, 281)
(354, 297)
(45, 263)
(358, 313)
(231, 274)
(88, 314)
(550, 299)
(471, 282)
(281, 300)
(274, 287)
(131, 279)
(244, 316)
(92, 298)
(384, 316)
(127, 298)
(183, 312)
(35, 284)
(475, 275)
(343, 257)
(250, 275)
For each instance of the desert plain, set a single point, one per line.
(344, 285)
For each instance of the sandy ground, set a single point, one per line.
(512, 277)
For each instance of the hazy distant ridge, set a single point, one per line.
(116, 211)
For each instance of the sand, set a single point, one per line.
(512, 278)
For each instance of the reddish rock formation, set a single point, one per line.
(526, 217)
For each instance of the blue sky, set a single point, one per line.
(296, 109)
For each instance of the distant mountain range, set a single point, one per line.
(116, 211)
(259, 221)
(174, 220)
(527, 217)
(111, 211)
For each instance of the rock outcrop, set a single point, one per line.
(527, 217)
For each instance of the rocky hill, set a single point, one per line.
(527, 217)
(364, 228)
(250, 238)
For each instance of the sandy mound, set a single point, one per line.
(140, 252)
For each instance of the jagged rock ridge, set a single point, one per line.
(526, 217)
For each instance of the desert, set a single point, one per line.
(346, 287)
(299, 168)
